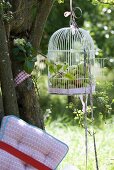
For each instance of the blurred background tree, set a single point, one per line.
(111, 2)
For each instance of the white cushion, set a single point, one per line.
(32, 141)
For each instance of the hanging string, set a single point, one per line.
(71, 5)
(84, 102)
(85, 114)
(72, 15)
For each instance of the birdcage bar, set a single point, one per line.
(100, 67)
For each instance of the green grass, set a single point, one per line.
(73, 136)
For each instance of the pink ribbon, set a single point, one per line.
(67, 13)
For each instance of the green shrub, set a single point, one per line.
(57, 106)
(103, 104)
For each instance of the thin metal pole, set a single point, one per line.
(95, 149)
(85, 113)
(83, 99)
(92, 115)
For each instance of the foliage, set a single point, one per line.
(53, 106)
(102, 105)
(5, 7)
(60, 1)
(111, 2)
(61, 75)
(64, 76)
(57, 106)
(55, 68)
(24, 52)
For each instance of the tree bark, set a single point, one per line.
(7, 84)
(28, 100)
(24, 14)
(37, 31)
(29, 21)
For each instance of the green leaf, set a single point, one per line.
(59, 66)
(28, 66)
(49, 63)
(21, 48)
(31, 58)
(52, 69)
(60, 1)
(19, 58)
(76, 118)
(65, 67)
(28, 47)
(69, 76)
(15, 51)
(34, 51)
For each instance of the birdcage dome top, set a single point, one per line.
(72, 40)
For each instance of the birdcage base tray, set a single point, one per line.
(73, 91)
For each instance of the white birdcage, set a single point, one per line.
(71, 67)
(70, 62)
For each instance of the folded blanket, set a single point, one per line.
(30, 140)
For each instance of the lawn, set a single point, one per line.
(73, 136)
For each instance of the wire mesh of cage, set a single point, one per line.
(66, 52)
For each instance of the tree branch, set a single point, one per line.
(38, 27)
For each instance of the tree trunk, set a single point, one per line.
(28, 103)
(28, 22)
(41, 17)
(28, 100)
(7, 84)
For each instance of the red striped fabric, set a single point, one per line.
(24, 157)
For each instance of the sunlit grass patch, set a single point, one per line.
(74, 137)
